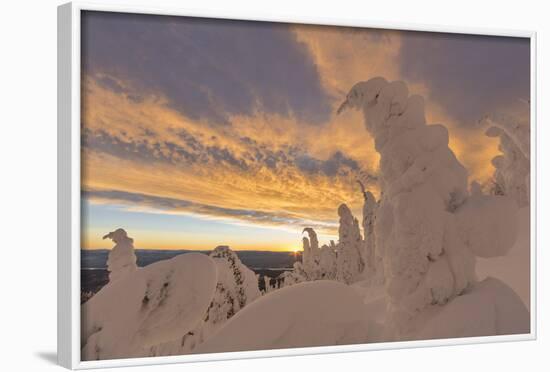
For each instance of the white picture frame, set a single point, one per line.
(69, 190)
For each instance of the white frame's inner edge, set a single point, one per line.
(69, 184)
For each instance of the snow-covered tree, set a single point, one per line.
(295, 276)
(349, 261)
(512, 172)
(267, 284)
(518, 130)
(372, 262)
(237, 286)
(327, 262)
(122, 258)
(425, 261)
(310, 255)
(317, 263)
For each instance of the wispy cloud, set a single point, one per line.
(147, 148)
(208, 69)
(155, 204)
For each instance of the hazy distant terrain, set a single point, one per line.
(94, 274)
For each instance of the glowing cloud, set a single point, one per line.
(259, 146)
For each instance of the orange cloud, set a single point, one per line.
(261, 162)
(143, 130)
(346, 56)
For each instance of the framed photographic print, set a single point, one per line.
(235, 187)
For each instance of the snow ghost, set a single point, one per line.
(236, 287)
(425, 260)
(372, 263)
(511, 177)
(349, 261)
(122, 258)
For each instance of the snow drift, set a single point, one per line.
(307, 314)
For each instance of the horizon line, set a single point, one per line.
(195, 250)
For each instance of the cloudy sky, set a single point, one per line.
(197, 132)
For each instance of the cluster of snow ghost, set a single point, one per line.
(352, 259)
(423, 185)
(318, 262)
(512, 172)
(122, 258)
(422, 238)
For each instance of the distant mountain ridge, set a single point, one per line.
(94, 274)
(97, 259)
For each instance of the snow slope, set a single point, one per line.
(157, 303)
(307, 314)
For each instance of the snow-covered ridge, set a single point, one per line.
(160, 302)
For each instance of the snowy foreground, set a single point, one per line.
(433, 258)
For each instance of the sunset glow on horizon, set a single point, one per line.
(198, 133)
